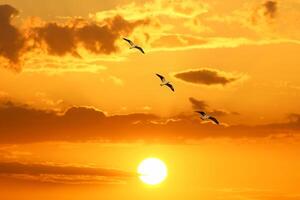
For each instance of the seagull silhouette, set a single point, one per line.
(165, 82)
(206, 117)
(132, 45)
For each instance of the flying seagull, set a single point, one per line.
(206, 117)
(132, 45)
(165, 82)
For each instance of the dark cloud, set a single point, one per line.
(61, 39)
(266, 11)
(205, 77)
(202, 105)
(198, 104)
(270, 8)
(11, 40)
(23, 124)
(62, 174)
(96, 38)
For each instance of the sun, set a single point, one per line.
(152, 171)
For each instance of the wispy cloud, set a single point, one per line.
(202, 105)
(198, 104)
(63, 174)
(174, 26)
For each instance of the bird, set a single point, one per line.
(206, 117)
(132, 45)
(165, 82)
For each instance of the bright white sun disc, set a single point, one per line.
(152, 171)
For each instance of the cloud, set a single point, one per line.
(270, 8)
(53, 173)
(202, 105)
(198, 104)
(294, 117)
(60, 38)
(8, 153)
(11, 40)
(60, 69)
(221, 113)
(178, 41)
(180, 23)
(171, 9)
(23, 124)
(174, 26)
(205, 76)
(266, 11)
(97, 38)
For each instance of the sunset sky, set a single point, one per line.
(79, 110)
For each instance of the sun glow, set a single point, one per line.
(152, 171)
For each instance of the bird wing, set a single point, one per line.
(201, 113)
(170, 86)
(129, 41)
(140, 48)
(214, 120)
(161, 77)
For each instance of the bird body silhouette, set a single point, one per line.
(134, 46)
(165, 82)
(206, 117)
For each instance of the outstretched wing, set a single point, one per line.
(170, 86)
(129, 41)
(161, 77)
(214, 120)
(140, 48)
(201, 113)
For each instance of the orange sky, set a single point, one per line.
(75, 100)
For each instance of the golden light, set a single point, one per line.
(152, 171)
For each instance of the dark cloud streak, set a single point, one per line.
(22, 124)
(205, 77)
(62, 174)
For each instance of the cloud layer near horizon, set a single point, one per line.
(22, 124)
(59, 174)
